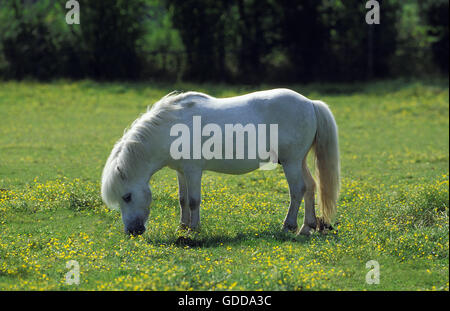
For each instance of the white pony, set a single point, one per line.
(145, 148)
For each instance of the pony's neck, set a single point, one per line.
(153, 168)
(146, 171)
(148, 152)
(154, 162)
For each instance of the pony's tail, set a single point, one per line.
(326, 149)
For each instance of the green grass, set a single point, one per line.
(393, 208)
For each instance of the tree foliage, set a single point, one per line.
(435, 15)
(225, 40)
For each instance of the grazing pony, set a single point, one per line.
(151, 143)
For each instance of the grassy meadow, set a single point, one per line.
(394, 204)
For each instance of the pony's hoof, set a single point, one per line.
(194, 230)
(323, 227)
(290, 228)
(182, 227)
(306, 230)
(184, 241)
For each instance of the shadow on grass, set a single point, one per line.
(195, 240)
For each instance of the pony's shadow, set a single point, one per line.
(198, 240)
(238, 239)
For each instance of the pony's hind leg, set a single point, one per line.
(185, 214)
(297, 188)
(309, 221)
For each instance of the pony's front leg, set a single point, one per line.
(194, 183)
(185, 214)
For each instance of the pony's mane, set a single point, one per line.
(131, 150)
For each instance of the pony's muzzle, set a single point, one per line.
(135, 229)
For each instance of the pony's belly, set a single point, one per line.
(231, 166)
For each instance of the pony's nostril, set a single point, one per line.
(136, 231)
(140, 230)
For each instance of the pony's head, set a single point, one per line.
(127, 190)
(129, 167)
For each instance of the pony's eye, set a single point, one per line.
(127, 198)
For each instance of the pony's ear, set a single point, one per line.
(121, 174)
